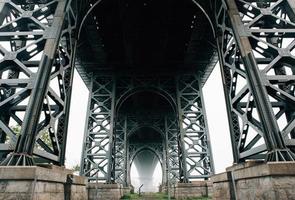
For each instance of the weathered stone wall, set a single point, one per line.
(78, 188)
(102, 191)
(269, 181)
(39, 183)
(189, 190)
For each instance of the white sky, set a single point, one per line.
(216, 113)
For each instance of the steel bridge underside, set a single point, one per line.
(145, 63)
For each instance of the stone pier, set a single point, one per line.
(256, 181)
(102, 191)
(192, 189)
(41, 183)
(189, 190)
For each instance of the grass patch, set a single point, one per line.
(158, 196)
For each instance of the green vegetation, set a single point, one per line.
(156, 196)
(76, 168)
(44, 135)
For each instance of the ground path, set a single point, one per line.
(154, 196)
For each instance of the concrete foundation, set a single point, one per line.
(193, 189)
(102, 191)
(189, 190)
(259, 181)
(40, 183)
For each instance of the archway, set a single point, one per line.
(144, 134)
(146, 147)
(146, 170)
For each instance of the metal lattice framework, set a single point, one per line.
(194, 136)
(256, 42)
(172, 150)
(98, 137)
(104, 145)
(37, 51)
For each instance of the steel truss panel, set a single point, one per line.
(257, 45)
(98, 140)
(194, 137)
(36, 52)
(172, 150)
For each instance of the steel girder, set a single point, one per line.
(194, 136)
(36, 68)
(256, 48)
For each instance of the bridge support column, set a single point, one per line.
(97, 160)
(195, 157)
(35, 96)
(257, 66)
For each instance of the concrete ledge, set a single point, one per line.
(50, 173)
(259, 170)
(265, 181)
(41, 183)
(103, 186)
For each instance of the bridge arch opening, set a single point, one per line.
(146, 153)
(146, 170)
(145, 136)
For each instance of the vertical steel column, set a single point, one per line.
(239, 101)
(183, 176)
(172, 132)
(68, 47)
(193, 127)
(232, 117)
(127, 161)
(121, 151)
(23, 57)
(126, 156)
(247, 30)
(128, 168)
(166, 160)
(98, 144)
(112, 157)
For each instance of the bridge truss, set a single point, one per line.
(256, 50)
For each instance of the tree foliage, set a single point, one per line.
(43, 135)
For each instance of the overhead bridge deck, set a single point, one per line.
(141, 37)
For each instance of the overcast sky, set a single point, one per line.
(216, 113)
